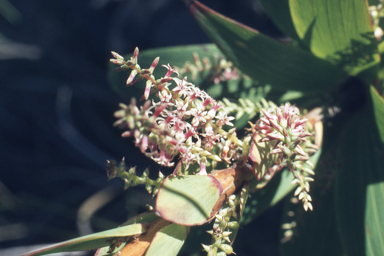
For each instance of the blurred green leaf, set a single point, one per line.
(266, 60)
(168, 240)
(188, 199)
(381, 47)
(9, 12)
(92, 241)
(340, 31)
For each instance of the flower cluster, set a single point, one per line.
(286, 130)
(186, 121)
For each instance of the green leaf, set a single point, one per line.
(378, 108)
(92, 241)
(374, 219)
(188, 199)
(168, 240)
(358, 185)
(381, 47)
(340, 31)
(146, 217)
(278, 11)
(272, 193)
(267, 60)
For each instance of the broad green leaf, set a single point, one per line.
(168, 240)
(378, 108)
(374, 219)
(278, 11)
(188, 199)
(358, 194)
(92, 241)
(340, 31)
(272, 193)
(266, 60)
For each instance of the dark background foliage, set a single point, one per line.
(56, 114)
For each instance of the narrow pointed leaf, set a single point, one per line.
(340, 31)
(264, 59)
(188, 199)
(92, 241)
(145, 217)
(140, 244)
(168, 240)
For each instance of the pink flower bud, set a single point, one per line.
(131, 77)
(135, 55)
(117, 56)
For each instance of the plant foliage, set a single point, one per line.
(226, 139)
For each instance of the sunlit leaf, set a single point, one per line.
(340, 31)
(265, 59)
(374, 219)
(168, 240)
(188, 199)
(92, 241)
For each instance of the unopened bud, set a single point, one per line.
(233, 225)
(226, 248)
